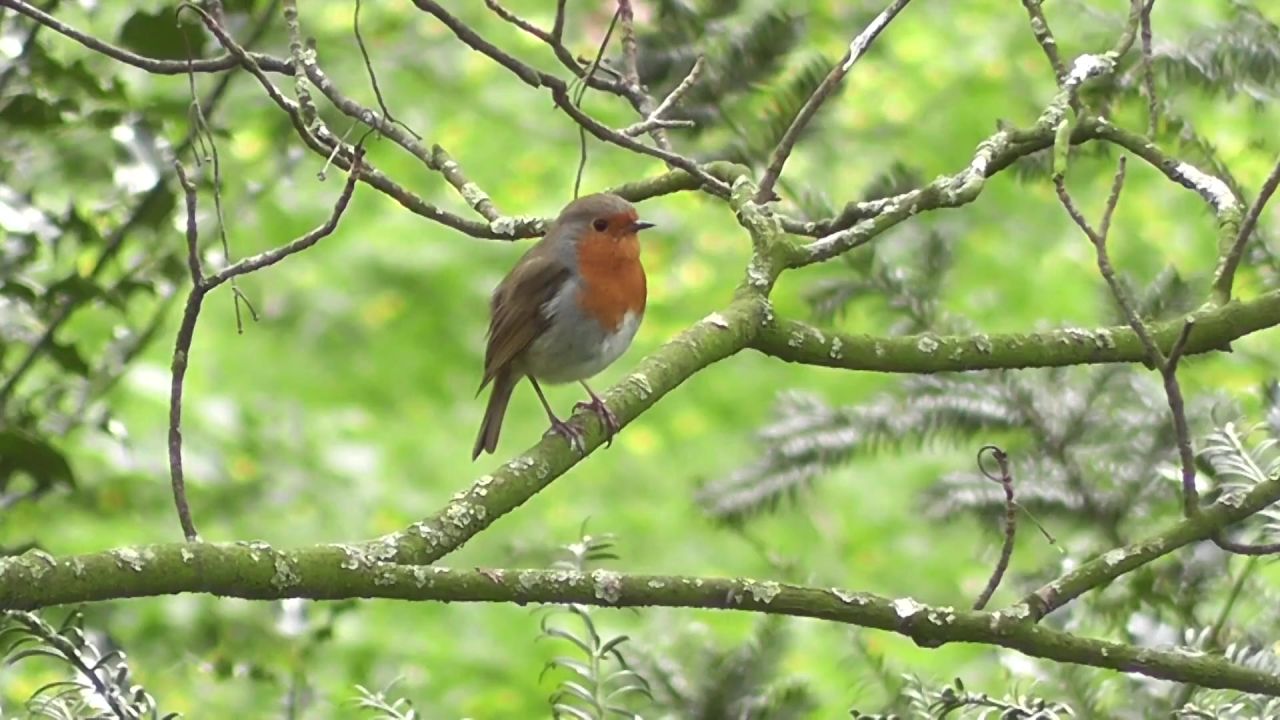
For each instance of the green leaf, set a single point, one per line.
(68, 358)
(24, 452)
(19, 290)
(30, 111)
(159, 35)
(74, 288)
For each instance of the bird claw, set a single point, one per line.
(570, 433)
(607, 418)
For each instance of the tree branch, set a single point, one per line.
(716, 337)
(1044, 37)
(1226, 273)
(1216, 328)
(560, 94)
(201, 285)
(1210, 521)
(330, 572)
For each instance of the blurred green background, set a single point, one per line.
(348, 409)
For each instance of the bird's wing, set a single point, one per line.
(517, 317)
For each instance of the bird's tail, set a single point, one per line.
(487, 440)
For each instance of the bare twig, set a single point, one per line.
(563, 99)
(151, 65)
(1130, 29)
(1226, 274)
(1010, 519)
(182, 347)
(1167, 367)
(299, 52)
(201, 285)
(820, 95)
(655, 118)
(1148, 75)
(1044, 37)
(562, 53)
(630, 50)
(373, 77)
(1244, 548)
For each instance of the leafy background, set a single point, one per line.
(347, 410)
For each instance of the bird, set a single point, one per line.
(568, 309)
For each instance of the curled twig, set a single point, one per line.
(1003, 477)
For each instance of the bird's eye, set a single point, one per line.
(600, 225)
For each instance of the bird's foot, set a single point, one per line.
(572, 434)
(607, 418)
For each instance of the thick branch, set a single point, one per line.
(257, 571)
(1215, 329)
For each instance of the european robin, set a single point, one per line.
(566, 311)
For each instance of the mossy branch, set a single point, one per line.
(256, 571)
(1216, 328)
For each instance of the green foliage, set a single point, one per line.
(756, 79)
(597, 682)
(92, 683)
(1240, 56)
(384, 708)
(954, 700)
(709, 682)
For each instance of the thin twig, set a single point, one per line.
(820, 95)
(577, 101)
(182, 347)
(560, 93)
(373, 77)
(298, 51)
(1010, 519)
(323, 143)
(655, 118)
(562, 53)
(1167, 367)
(1044, 37)
(1226, 275)
(1148, 75)
(630, 50)
(202, 285)
(1244, 548)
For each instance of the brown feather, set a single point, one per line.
(516, 308)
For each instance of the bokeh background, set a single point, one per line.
(348, 409)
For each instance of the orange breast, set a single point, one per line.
(613, 279)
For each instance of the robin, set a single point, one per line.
(566, 311)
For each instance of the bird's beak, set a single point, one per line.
(639, 225)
